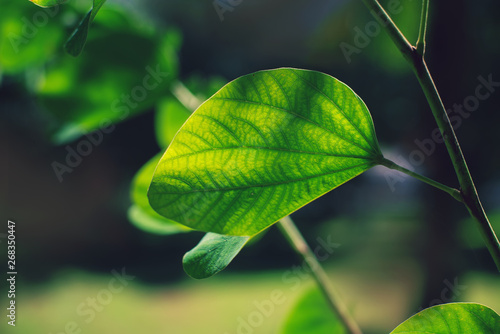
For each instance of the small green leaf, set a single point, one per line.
(312, 315)
(212, 255)
(262, 147)
(76, 41)
(48, 3)
(454, 318)
(140, 213)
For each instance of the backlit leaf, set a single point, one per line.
(262, 147)
(48, 3)
(454, 318)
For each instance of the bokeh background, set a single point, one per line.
(402, 246)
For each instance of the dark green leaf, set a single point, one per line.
(312, 315)
(140, 213)
(262, 147)
(212, 255)
(454, 318)
(76, 41)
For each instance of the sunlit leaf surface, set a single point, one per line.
(262, 147)
(454, 318)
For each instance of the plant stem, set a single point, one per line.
(419, 66)
(185, 96)
(468, 189)
(385, 20)
(423, 28)
(455, 193)
(296, 240)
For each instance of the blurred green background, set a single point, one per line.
(401, 245)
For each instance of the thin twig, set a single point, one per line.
(421, 41)
(303, 250)
(419, 66)
(455, 193)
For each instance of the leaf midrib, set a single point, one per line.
(280, 149)
(225, 189)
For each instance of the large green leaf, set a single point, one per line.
(454, 318)
(140, 213)
(212, 255)
(76, 41)
(262, 147)
(312, 315)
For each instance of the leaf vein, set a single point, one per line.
(271, 184)
(296, 115)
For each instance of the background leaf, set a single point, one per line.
(140, 213)
(262, 147)
(24, 46)
(212, 255)
(48, 3)
(171, 114)
(454, 318)
(124, 71)
(312, 314)
(169, 117)
(76, 41)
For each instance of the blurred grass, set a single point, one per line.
(215, 305)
